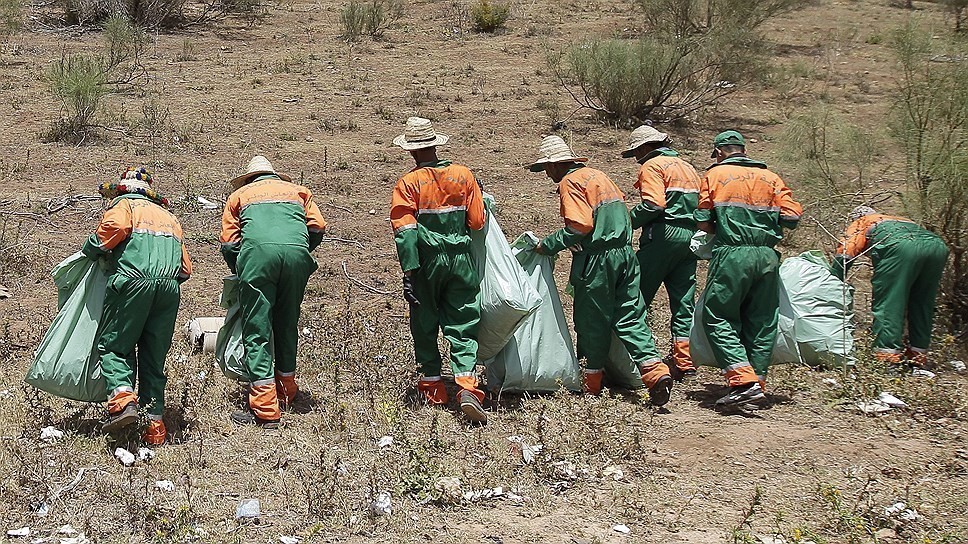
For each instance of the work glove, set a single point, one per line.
(408, 293)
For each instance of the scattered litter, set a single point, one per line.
(767, 539)
(6, 394)
(385, 441)
(901, 511)
(381, 505)
(622, 528)
(306, 331)
(831, 382)
(165, 485)
(207, 204)
(51, 434)
(957, 366)
(248, 509)
(125, 456)
(922, 373)
(290, 100)
(202, 332)
(4, 292)
(145, 454)
(42, 510)
(372, 212)
(79, 539)
(450, 489)
(289, 540)
(565, 470)
(67, 530)
(528, 451)
(488, 494)
(613, 472)
(21, 532)
(891, 400)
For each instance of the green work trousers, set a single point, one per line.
(905, 283)
(449, 290)
(665, 258)
(741, 306)
(138, 323)
(272, 283)
(607, 299)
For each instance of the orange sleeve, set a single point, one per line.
(404, 205)
(115, 226)
(575, 208)
(854, 241)
(231, 222)
(314, 218)
(474, 202)
(651, 185)
(705, 210)
(790, 209)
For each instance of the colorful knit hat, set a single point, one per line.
(134, 180)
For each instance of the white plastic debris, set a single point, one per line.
(909, 514)
(207, 204)
(67, 530)
(922, 373)
(528, 451)
(289, 539)
(891, 400)
(42, 510)
(614, 472)
(125, 456)
(79, 539)
(621, 528)
(564, 470)
(831, 382)
(165, 485)
(19, 533)
(51, 434)
(381, 505)
(145, 454)
(6, 394)
(248, 509)
(957, 366)
(306, 331)
(895, 508)
(385, 441)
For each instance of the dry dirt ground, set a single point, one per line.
(810, 469)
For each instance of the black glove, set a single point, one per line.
(408, 293)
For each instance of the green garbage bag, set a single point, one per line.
(815, 321)
(507, 295)
(66, 363)
(620, 371)
(229, 351)
(540, 356)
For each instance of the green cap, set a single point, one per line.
(729, 137)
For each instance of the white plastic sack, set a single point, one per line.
(229, 351)
(66, 363)
(620, 371)
(701, 244)
(507, 295)
(540, 356)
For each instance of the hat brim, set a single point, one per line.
(539, 165)
(239, 181)
(659, 138)
(401, 142)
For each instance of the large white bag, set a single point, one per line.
(540, 356)
(507, 295)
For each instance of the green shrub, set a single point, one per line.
(489, 16)
(79, 83)
(372, 18)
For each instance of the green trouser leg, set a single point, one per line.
(924, 290)
(138, 313)
(272, 280)
(449, 291)
(607, 299)
(741, 310)
(664, 257)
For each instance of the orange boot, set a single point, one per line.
(889, 356)
(592, 382)
(156, 433)
(685, 368)
(657, 378)
(286, 388)
(433, 390)
(916, 356)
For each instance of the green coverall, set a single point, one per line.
(146, 262)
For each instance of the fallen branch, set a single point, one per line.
(338, 207)
(362, 285)
(356, 243)
(57, 204)
(28, 215)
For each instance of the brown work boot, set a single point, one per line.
(121, 419)
(471, 406)
(660, 393)
(246, 417)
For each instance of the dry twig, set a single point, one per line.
(362, 285)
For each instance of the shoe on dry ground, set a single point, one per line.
(660, 392)
(248, 418)
(471, 407)
(127, 416)
(742, 395)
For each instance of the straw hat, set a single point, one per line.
(860, 211)
(257, 166)
(418, 134)
(554, 149)
(641, 136)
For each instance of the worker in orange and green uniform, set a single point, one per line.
(269, 227)
(669, 187)
(747, 207)
(908, 264)
(604, 270)
(433, 209)
(141, 241)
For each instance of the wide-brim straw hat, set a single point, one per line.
(554, 149)
(258, 166)
(418, 134)
(641, 136)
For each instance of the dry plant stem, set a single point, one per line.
(362, 285)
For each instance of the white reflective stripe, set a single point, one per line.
(790, 217)
(608, 201)
(296, 202)
(682, 190)
(590, 371)
(465, 374)
(260, 383)
(404, 227)
(919, 350)
(439, 211)
(153, 417)
(745, 206)
(681, 339)
(286, 374)
(649, 362)
(430, 379)
(122, 389)
(886, 350)
(735, 366)
(573, 231)
(155, 233)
